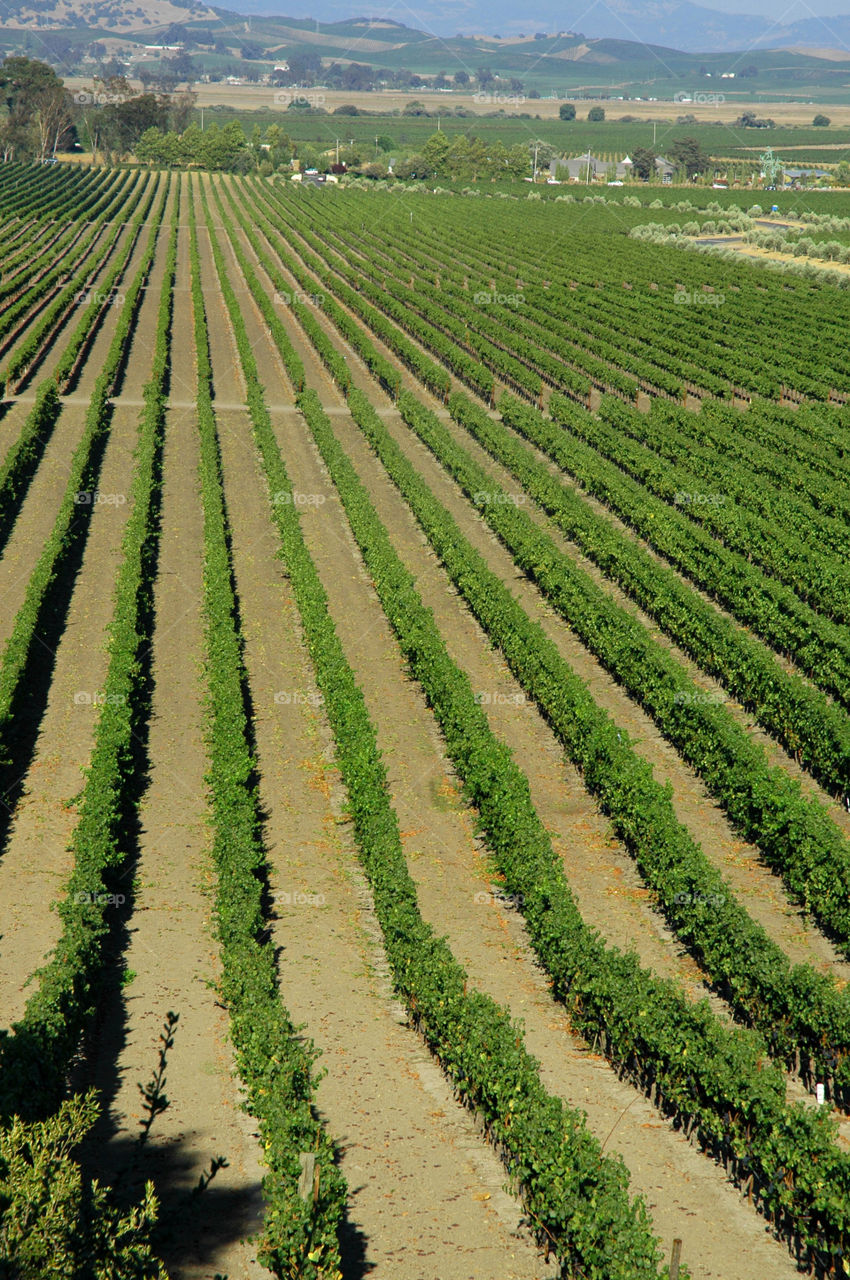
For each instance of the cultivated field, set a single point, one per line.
(720, 104)
(424, 730)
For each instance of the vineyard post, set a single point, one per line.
(306, 1183)
(675, 1259)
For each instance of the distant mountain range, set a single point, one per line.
(688, 27)
(644, 47)
(695, 29)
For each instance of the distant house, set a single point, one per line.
(310, 178)
(589, 168)
(664, 169)
(584, 168)
(796, 176)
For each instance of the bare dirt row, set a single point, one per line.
(777, 754)
(761, 891)
(36, 861)
(426, 1191)
(756, 885)
(171, 957)
(426, 1197)
(685, 1190)
(19, 403)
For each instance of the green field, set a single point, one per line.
(799, 146)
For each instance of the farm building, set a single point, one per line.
(797, 177)
(590, 168)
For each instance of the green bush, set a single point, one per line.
(57, 1224)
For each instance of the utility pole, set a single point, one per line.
(337, 150)
(376, 146)
(534, 170)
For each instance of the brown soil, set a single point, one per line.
(427, 1193)
(61, 334)
(248, 97)
(172, 953)
(758, 888)
(416, 1167)
(449, 869)
(36, 860)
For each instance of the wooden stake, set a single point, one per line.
(675, 1259)
(309, 1175)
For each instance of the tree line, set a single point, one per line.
(40, 116)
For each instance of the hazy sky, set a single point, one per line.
(780, 10)
(449, 16)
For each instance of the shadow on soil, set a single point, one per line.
(33, 687)
(198, 1218)
(194, 1226)
(352, 1248)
